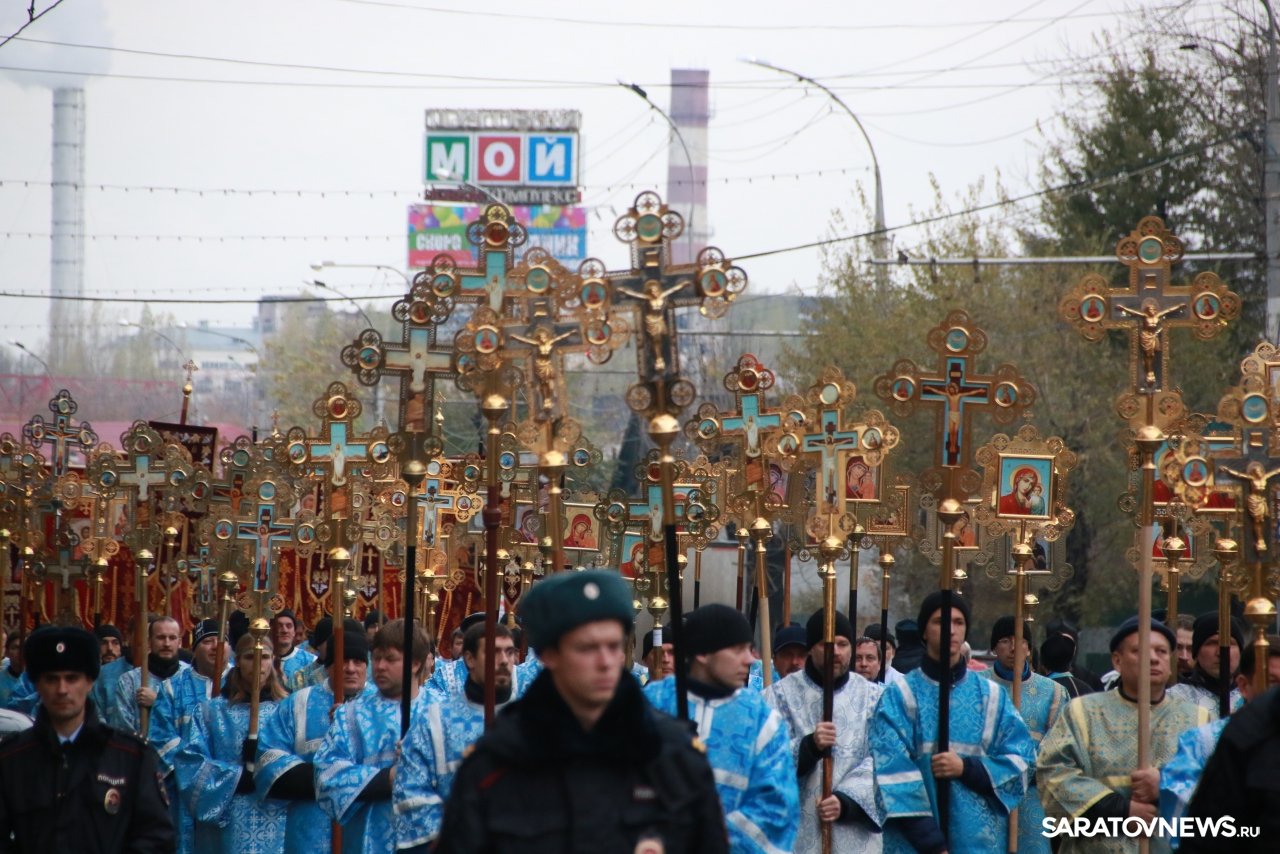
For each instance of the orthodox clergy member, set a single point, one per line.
(1178, 779)
(284, 641)
(451, 673)
(163, 667)
(852, 809)
(434, 749)
(1042, 701)
(292, 734)
(1201, 686)
(11, 675)
(990, 757)
(214, 766)
(790, 649)
(193, 687)
(314, 672)
(748, 745)
(71, 783)
(583, 762)
(1087, 766)
(354, 762)
(1056, 654)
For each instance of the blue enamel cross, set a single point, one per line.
(829, 440)
(750, 422)
(336, 452)
(953, 390)
(263, 534)
(435, 500)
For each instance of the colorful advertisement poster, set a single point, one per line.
(442, 229)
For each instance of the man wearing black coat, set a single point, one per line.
(582, 762)
(71, 784)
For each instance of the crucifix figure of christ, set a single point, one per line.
(543, 342)
(62, 434)
(654, 315)
(1149, 329)
(654, 288)
(954, 391)
(261, 536)
(828, 441)
(1150, 304)
(1253, 473)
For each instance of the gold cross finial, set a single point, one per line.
(190, 367)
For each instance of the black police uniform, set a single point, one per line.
(536, 783)
(99, 794)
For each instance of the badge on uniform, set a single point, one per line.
(650, 845)
(164, 793)
(111, 803)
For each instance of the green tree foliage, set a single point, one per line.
(1143, 104)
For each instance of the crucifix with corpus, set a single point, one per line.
(62, 434)
(1146, 310)
(955, 392)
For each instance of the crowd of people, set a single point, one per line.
(585, 752)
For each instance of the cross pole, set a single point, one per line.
(62, 434)
(955, 392)
(1147, 309)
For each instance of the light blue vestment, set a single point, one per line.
(749, 748)
(756, 678)
(9, 682)
(289, 737)
(312, 673)
(1042, 701)
(1179, 778)
(1204, 698)
(360, 743)
(105, 686)
(295, 661)
(162, 732)
(436, 745)
(984, 725)
(23, 698)
(208, 768)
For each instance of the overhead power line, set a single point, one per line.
(31, 19)
(1071, 189)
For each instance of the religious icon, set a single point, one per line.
(633, 548)
(581, 532)
(955, 392)
(778, 482)
(966, 532)
(1025, 486)
(526, 525)
(1207, 306)
(486, 339)
(593, 294)
(1093, 308)
(861, 481)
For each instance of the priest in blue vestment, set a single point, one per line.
(353, 766)
(437, 742)
(214, 765)
(988, 762)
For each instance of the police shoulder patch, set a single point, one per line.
(699, 745)
(468, 750)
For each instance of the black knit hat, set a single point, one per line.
(1206, 626)
(873, 632)
(237, 626)
(1057, 651)
(1130, 627)
(1004, 628)
(714, 627)
(355, 647)
(324, 629)
(470, 620)
(647, 642)
(286, 612)
(57, 648)
(933, 602)
(567, 600)
(203, 629)
(106, 630)
(373, 619)
(813, 629)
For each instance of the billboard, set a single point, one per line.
(525, 157)
(442, 228)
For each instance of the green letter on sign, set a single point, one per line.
(448, 158)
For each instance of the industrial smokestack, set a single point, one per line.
(66, 277)
(687, 172)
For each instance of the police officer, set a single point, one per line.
(582, 762)
(71, 784)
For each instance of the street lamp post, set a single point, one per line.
(156, 332)
(878, 241)
(676, 130)
(326, 264)
(444, 174)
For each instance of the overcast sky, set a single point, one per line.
(956, 90)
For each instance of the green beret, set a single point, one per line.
(566, 600)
